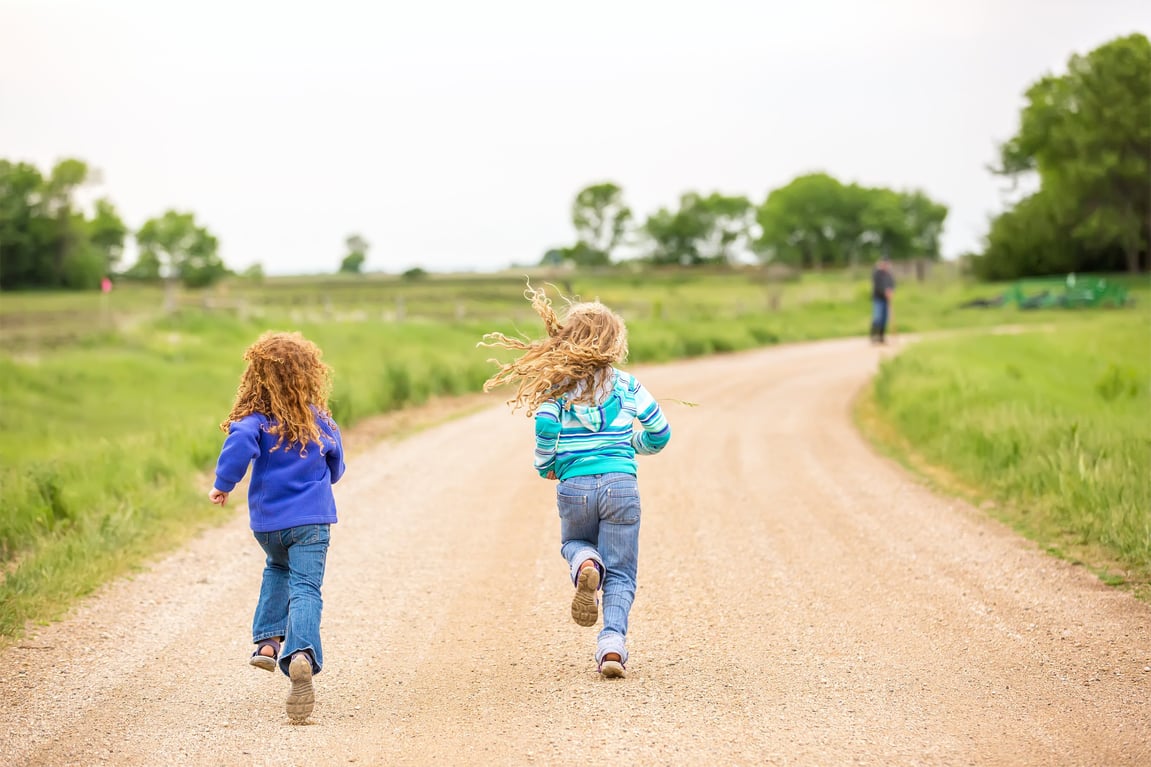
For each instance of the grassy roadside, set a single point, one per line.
(1048, 431)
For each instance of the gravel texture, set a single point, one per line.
(801, 601)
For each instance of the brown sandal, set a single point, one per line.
(266, 662)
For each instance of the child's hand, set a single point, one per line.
(551, 475)
(218, 496)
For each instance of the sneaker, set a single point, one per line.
(302, 697)
(612, 669)
(585, 601)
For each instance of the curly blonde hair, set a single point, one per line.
(575, 360)
(285, 379)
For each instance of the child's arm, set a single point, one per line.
(547, 438)
(656, 430)
(335, 455)
(241, 447)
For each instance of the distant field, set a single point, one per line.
(109, 406)
(817, 305)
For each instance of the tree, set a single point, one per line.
(353, 262)
(811, 222)
(554, 257)
(254, 273)
(176, 248)
(675, 236)
(1087, 135)
(106, 232)
(1028, 239)
(924, 219)
(704, 230)
(20, 248)
(816, 221)
(729, 234)
(45, 240)
(600, 218)
(578, 255)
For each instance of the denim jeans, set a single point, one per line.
(599, 520)
(290, 602)
(879, 315)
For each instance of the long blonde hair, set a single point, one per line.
(575, 360)
(285, 379)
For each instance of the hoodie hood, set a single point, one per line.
(596, 417)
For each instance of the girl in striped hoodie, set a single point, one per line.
(584, 411)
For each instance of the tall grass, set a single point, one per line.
(107, 447)
(1054, 426)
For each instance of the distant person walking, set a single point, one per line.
(882, 289)
(281, 426)
(584, 412)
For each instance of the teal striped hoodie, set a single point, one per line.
(578, 440)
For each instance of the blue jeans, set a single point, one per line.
(290, 602)
(599, 520)
(879, 315)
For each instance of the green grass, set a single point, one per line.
(109, 410)
(107, 446)
(1054, 428)
(815, 306)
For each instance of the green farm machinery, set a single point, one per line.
(1068, 293)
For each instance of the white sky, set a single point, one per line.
(454, 135)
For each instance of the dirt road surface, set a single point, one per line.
(801, 601)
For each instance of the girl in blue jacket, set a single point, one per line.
(281, 426)
(584, 412)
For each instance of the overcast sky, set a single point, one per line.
(454, 135)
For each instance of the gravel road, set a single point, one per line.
(801, 601)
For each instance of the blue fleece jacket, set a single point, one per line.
(287, 489)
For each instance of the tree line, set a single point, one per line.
(48, 241)
(813, 222)
(1086, 136)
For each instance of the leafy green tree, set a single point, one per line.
(147, 268)
(600, 217)
(45, 240)
(106, 233)
(703, 230)
(816, 221)
(813, 221)
(20, 246)
(65, 240)
(254, 273)
(1087, 135)
(885, 224)
(554, 257)
(175, 247)
(924, 218)
(1031, 238)
(675, 235)
(353, 262)
(730, 219)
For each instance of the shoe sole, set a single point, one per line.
(612, 669)
(302, 697)
(265, 662)
(585, 609)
